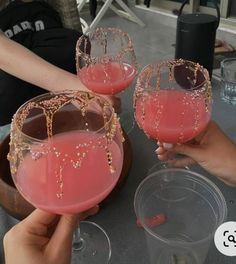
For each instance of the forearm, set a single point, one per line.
(24, 64)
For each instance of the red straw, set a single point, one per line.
(152, 221)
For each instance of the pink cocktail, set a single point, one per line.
(105, 61)
(73, 176)
(173, 100)
(106, 64)
(173, 116)
(107, 78)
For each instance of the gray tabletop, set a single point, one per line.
(118, 218)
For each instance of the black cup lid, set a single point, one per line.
(197, 18)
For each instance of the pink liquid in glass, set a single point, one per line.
(73, 176)
(172, 116)
(107, 78)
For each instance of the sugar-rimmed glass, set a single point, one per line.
(173, 101)
(106, 64)
(66, 156)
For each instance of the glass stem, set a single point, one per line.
(78, 242)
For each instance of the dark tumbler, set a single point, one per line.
(195, 37)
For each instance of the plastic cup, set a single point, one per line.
(180, 211)
(228, 80)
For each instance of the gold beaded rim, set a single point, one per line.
(84, 97)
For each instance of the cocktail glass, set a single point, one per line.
(173, 101)
(109, 64)
(66, 156)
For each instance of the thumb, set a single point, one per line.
(65, 228)
(67, 224)
(59, 246)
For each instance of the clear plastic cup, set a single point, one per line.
(180, 211)
(228, 80)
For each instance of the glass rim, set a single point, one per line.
(166, 63)
(15, 125)
(108, 29)
(201, 179)
(227, 60)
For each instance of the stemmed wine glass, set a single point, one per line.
(173, 101)
(66, 156)
(106, 64)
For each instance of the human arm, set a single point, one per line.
(20, 62)
(42, 238)
(212, 150)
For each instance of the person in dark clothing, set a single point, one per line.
(38, 27)
(48, 31)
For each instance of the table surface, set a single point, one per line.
(118, 217)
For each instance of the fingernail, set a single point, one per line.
(96, 208)
(167, 145)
